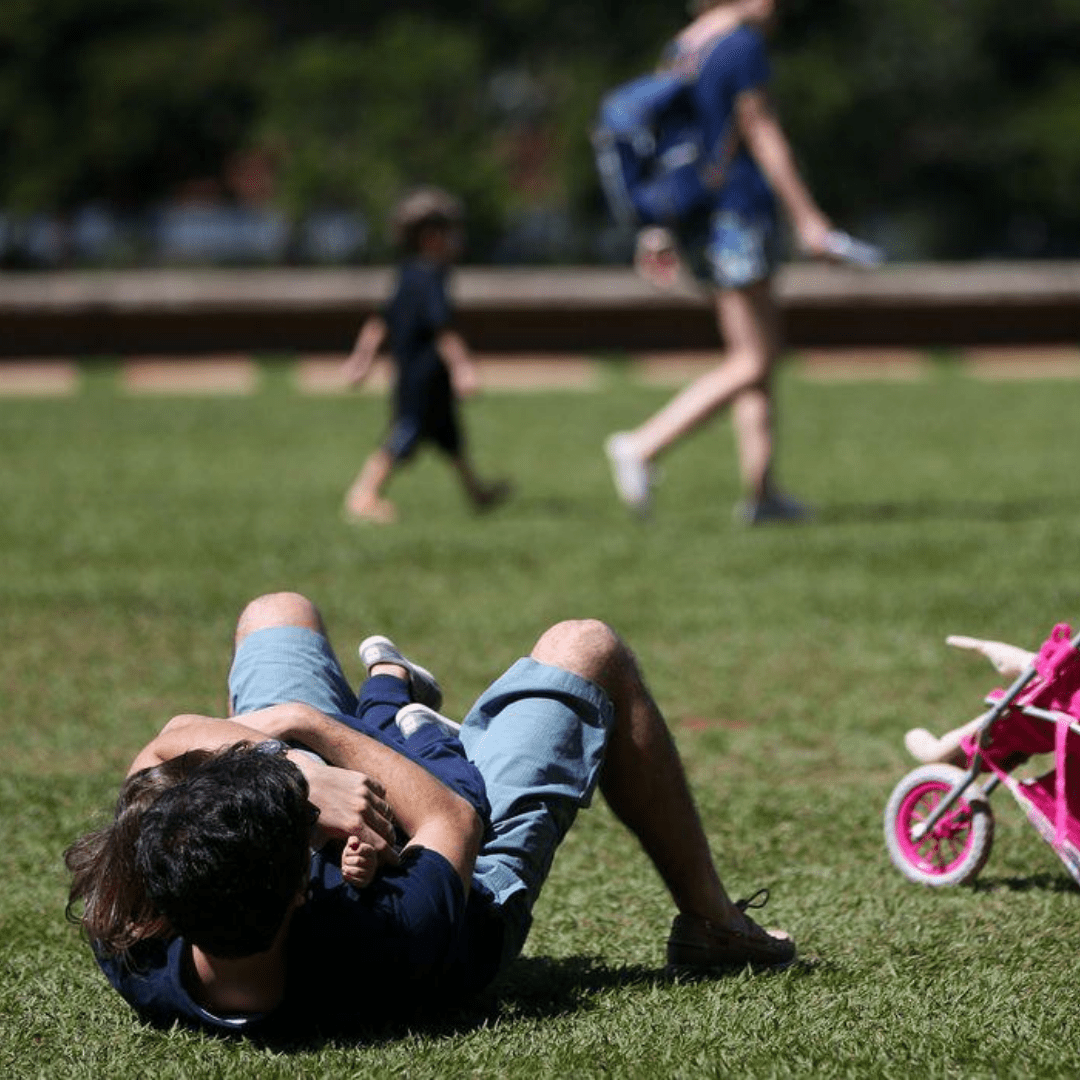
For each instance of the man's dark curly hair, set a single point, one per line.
(225, 851)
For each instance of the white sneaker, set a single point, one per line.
(773, 507)
(630, 473)
(410, 718)
(422, 684)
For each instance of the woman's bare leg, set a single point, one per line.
(747, 325)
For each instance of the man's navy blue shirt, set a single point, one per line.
(353, 955)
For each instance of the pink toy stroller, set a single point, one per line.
(938, 824)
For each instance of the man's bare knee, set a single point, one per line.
(278, 609)
(587, 647)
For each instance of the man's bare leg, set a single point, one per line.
(643, 778)
(278, 609)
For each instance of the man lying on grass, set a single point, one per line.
(212, 910)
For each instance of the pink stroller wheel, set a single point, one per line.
(957, 847)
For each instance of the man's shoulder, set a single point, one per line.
(150, 979)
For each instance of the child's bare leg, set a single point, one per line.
(751, 417)
(364, 499)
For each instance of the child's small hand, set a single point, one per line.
(1010, 660)
(466, 380)
(357, 366)
(359, 861)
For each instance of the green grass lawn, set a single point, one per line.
(789, 661)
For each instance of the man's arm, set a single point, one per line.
(768, 145)
(350, 803)
(429, 812)
(189, 731)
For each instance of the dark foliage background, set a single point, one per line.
(942, 128)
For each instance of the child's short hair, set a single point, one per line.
(420, 209)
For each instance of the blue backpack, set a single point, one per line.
(650, 154)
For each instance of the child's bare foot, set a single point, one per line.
(372, 511)
(359, 861)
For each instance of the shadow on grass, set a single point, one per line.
(947, 510)
(1044, 882)
(533, 988)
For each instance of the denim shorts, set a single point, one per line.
(538, 736)
(288, 663)
(728, 249)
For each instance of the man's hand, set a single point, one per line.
(1010, 660)
(350, 804)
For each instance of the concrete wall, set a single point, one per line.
(528, 310)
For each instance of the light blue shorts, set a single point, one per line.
(288, 663)
(538, 736)
(731, 250)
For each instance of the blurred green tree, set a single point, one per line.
(949, 127)
(121, 100)
(359, 120)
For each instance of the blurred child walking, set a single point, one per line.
(732, 247)
(432, 362)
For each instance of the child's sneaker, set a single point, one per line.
(630, 473)
(772, 508)
(422, 684)
(410, 718)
